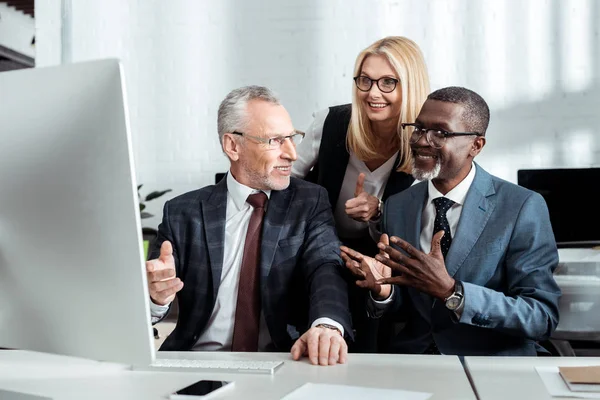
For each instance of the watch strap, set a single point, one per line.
(328, 326)
(458, 293)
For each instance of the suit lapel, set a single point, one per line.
(335, 170)
(413, 215)
(475, 214)
(393, 183)
(214, 213)
(277, 209)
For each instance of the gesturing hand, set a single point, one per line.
(162, 282)
(363, 206)
(425, 272)
(368, 270)
(323, 346)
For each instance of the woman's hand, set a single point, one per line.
(363, 207)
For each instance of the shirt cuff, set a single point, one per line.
(459, 311)
(385, 301)
(328, 321)
(157, 311)
(376, 308)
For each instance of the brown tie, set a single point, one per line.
(247, 312)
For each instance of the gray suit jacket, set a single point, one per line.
(503, 252)
(300, 261)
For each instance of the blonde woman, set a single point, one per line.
(359, 152)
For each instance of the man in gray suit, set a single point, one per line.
(254, 260)
(469, 268)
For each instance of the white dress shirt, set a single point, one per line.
(375, 181)
(458, 194)
(218, 334)
(308, 150)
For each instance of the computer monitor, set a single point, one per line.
(72, 274)
(569, 196)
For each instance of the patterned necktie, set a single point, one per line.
(442, 205)
(247, 312)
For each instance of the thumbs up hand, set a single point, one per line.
(162, 282)
(363, 206)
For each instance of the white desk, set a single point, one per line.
(69, 378)
(515, 377)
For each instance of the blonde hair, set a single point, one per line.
(407, 61)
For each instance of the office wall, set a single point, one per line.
(536, 62)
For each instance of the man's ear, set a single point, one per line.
(231, 147)
(477, 146)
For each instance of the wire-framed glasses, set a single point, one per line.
(435, 137)
(276, 141)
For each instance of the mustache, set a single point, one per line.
(425, 153)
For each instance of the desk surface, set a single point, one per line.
(71, 378)
(515, 377)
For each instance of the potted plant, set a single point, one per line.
(148, 234)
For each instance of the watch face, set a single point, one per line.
(453, 302)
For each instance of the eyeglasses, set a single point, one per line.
(435, 137)
(385, 84)
(275, 142)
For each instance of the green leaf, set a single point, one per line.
(142, 206)
(156, 194)
(146, 215)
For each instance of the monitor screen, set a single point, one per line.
(72, 276)
(569, 194)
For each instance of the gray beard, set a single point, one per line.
(265, 181)
(423, 175)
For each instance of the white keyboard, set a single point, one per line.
(228, 366)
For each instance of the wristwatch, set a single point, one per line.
(379, 211)
(455, 300)
(328, 326)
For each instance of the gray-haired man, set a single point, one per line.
(255, 257)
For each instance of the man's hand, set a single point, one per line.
(323, 346)
(368, 270)
(162, 282)
(363, 206)
(425, 272)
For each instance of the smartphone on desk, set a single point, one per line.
(201, 390)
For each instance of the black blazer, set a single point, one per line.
(333, 158)
(299, 261)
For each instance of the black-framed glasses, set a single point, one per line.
(276, 141)
(385, 84)
(435, 137)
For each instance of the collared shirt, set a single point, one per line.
(458, 195)
(218, 334)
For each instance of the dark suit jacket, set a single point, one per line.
(300, 262)
(503, 252)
